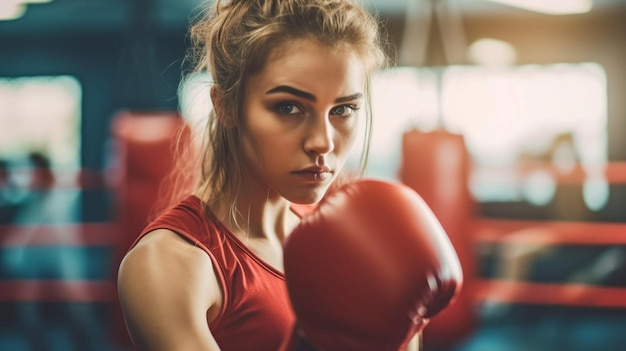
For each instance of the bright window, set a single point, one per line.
(41, 115)
(555, 113)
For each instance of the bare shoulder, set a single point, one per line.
(165, 242)
(166, 283)
(164, 255)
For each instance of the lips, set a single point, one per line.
(315, 173)
(314, 169)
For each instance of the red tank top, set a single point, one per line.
(255, 314)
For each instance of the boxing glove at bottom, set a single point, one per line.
(367, 269)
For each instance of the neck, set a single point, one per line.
(260, 214)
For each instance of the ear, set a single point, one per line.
(222, 112)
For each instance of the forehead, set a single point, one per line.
(309, 63)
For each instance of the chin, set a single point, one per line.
(309, 197)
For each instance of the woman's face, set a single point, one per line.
(301, 113)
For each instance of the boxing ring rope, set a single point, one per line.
(543, 234)
(23, 290)
(565, 294)
(549, 232)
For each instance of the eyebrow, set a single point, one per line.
(309, 96)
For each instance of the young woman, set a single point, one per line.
(290, 88)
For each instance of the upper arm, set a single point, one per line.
(166, 288)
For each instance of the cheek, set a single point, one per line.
(348, 136)
(264, 143)
(248, 150)
(253, 135)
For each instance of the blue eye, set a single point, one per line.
(288, 108)
(344, 110)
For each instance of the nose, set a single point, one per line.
(319, 139)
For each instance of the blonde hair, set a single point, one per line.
(233, 40)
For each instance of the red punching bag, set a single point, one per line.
(143, 153)
(436, 165)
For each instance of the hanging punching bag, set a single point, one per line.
(144, 159)
(436, 165)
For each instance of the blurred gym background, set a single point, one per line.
(507, 116)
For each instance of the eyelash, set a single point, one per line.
(353, 110)
(279, 107)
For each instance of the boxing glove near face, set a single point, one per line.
(368, 268)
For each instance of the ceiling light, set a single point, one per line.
(492, 52)
(34, 1)
(552, 7)
(11, 10)
(14, 9)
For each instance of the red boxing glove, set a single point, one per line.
(368, 269)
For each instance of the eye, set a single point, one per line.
(288, 108)
(344, 110)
